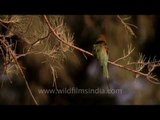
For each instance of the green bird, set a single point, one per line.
(100, 51)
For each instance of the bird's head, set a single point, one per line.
(101, 39)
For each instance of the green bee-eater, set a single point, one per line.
(100, 51)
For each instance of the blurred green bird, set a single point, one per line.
(100, 51)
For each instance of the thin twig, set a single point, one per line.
(8, 22)
(54, 77)
(126, 26)
(40, 39)
(143, 63)
(130, 50)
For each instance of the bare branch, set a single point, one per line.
(62, 40)
(129, 52)
(5, 44)
(150, 78)
(126, 26)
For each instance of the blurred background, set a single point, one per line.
(82, 71)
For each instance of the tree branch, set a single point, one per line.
(13, 55)
(149, 78)
(63, 41)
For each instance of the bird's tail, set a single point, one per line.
(105, 72)
(106, 75)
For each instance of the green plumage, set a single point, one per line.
(101, 53)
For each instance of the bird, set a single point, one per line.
(100, 51)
